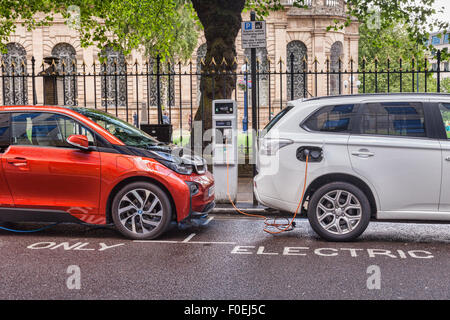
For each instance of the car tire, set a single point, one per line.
(141, 211)
(339, 211)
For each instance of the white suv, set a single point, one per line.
(370, 157)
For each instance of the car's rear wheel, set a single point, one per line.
(141, 210)
(339, 211)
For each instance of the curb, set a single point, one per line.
(232, 210)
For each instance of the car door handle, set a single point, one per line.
(447, 158)
(363, 153)
(18, 162)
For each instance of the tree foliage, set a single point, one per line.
(167, 27)
(164, 27)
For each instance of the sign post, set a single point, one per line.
(253, 36)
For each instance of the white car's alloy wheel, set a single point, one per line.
(339, 212)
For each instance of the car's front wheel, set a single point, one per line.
(141, 210)
(339, 211)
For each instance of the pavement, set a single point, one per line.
(229, 257)
(244, 199)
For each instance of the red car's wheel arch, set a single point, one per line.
(128, 180)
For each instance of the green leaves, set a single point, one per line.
(170, 27)
(164, 27)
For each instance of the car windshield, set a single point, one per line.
(127, 133)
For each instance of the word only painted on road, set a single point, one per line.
(334, 252)
(78, 246)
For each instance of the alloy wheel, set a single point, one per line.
(140, 211)
(339, 212)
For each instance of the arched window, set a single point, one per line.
(15, 65)
(298, 49)
(263, 77)
(67, 63)
(113, 80)
(201, 54)
(335, 54)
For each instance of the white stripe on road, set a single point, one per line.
(189, 237)
(208, 221)
(184, 241)
(211, 242)
(157, 241)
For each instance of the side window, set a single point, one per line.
(68, 127)
(45, 129)
(394, 119)
(5, 131)
(332, 119)
(445, 112)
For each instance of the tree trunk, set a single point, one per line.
(221, 20)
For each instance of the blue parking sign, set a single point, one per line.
(248, 26)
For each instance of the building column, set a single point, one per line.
(353, 49)
(280, 53)
(89, 58)
(318, 42)
(38, 54)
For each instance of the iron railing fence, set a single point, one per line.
(157, 92)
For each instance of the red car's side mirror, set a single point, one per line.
(79, 141)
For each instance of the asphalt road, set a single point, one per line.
(229, 258)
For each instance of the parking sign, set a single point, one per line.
(253, 34)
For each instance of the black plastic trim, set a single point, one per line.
(35, 215)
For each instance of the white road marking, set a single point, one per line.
(211, 242)
(189, 237)
(208, 221)
(157, 241)
(184, 241)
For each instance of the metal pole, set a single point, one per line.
(439, 71)
(158, 88)
(254, 111)
(33, 75)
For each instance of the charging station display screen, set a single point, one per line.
(223, 123)
(224, 108)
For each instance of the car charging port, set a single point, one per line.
(315, 154)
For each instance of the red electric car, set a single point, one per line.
(82, 165)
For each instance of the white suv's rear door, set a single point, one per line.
(392, 151)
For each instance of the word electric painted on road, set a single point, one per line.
(334, 252)
(253, 34)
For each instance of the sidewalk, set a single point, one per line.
(244, 199)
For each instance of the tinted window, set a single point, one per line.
(332, 119)
(445, 112)
(45, 129)
(127, 133)
(4, 131)
(394, 119)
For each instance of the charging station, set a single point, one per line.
(224, 149)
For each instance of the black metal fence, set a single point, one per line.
(157, 92)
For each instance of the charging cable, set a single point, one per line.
(271, 225)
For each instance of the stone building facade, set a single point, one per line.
(302, 32)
